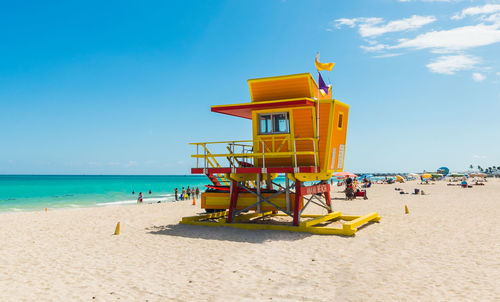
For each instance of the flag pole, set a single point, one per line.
(317, 106)
(317, 116)
(317, 112)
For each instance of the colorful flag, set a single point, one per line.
(323, 66)
(323, 88)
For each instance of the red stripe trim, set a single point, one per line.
(245, 110)
(254, 170)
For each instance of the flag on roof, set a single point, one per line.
(323, 66)
(323, 88)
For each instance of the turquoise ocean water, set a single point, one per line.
(36, 192)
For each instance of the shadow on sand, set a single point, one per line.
(225, 233)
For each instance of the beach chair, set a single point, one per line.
(360, 193)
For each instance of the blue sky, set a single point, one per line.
(122, 87)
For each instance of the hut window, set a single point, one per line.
(274, 123)
(341, 117)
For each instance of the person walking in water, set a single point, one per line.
(176, 193)
(139, 199)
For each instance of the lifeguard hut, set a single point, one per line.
(299, 134)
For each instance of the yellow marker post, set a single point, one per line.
(117, 229)
(406, 210)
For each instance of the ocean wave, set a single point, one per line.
(146, 200)
(132, 201)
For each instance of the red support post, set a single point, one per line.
(328, 200)
(296, 207)
(233, 199)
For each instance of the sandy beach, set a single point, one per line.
(446, 249)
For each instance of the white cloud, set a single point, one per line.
(414, 22)
(458, 38)
(477, 10)
(477, 77)
(494, 18)
(352, 22)
(388, 55)
(375, 47)
(428, 0)
(450, 44)
(452, 64)
(372, 27)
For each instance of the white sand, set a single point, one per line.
(446, 249)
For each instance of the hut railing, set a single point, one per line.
(242, 153)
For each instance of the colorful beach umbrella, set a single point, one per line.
(443, 170)
(344, 175)
(427, 175)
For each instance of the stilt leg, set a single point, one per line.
(232, 201)
(258, 183)
(287, 193)
(296, 206)
(269, 182)
(328, 200)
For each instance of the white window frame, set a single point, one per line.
(272, 114)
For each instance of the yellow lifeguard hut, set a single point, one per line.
(299, 132)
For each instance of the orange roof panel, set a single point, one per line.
(281, 87)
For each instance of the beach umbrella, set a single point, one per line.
(344, 175)
(456, 175)
(400, 178)
(477, 174)
(443, 170)
(427, 175)
(412, 175)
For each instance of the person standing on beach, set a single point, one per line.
(176, 192)
(188, 192)
(139, 199)
(197, 192)
(183, 192)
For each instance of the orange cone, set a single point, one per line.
(194, 201)
(45, 209)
